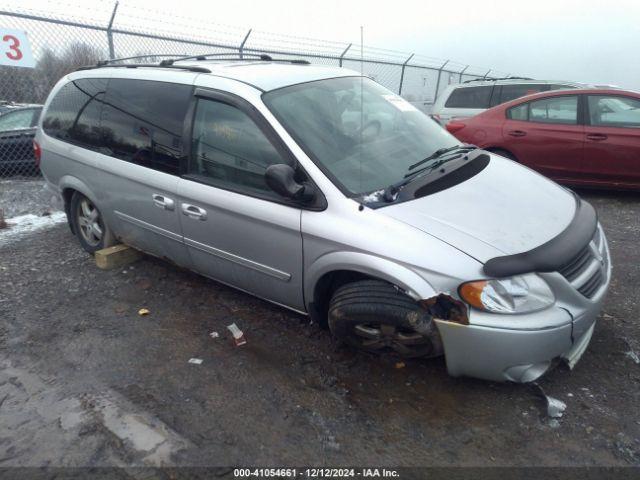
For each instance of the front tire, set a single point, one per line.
(88, 224)
(375, 316)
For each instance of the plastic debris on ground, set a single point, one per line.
(214, 334)
(195, 361)
(555, 407)
(143, 311)
(238, 336)
(633, 356)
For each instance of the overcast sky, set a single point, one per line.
(586, 40)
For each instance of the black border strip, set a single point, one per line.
(552, 255)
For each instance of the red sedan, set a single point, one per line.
(587, 137)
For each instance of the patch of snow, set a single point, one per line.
(373, 196)
(18, 227)
(633, 356)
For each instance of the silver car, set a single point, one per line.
(321, 191)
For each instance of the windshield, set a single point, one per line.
(363, 136)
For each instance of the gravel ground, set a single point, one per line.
(85, 380)
(25, 196)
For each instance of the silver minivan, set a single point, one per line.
(467, 99)
(319, 190)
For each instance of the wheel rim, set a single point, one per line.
(90, 223)
(377, 337)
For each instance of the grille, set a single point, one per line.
(587, 271)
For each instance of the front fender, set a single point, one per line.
(395, 273)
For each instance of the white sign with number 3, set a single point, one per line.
(15, 49)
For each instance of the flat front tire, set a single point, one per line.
(89, 225)
(375, 316)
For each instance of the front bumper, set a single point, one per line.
(501, 354)
(521, 348)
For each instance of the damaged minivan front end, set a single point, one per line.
(541, 281)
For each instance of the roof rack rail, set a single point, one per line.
(493, 79)
(144, 65)
(113, 60)
(170, 62)
(232, 56)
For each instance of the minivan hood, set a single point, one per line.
(504, 209)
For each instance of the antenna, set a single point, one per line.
(361, 50)
(361, 97)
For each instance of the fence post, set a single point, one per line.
(110, 33)
(246, 37)
(461, 72)
(343, 54)
(435, 96)
(402, 73)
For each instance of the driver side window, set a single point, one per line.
(228, 149)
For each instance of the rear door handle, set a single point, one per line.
(596, 137)
(163, 202)
(517, 133)
(194, 212)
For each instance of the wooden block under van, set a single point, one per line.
(116, 256)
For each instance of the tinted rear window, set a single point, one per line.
(74, 113)
(469, 97)
(511, 92)
(143, 121)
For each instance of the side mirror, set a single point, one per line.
(281, 179)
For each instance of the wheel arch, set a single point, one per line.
(335, 269)
(68, 185)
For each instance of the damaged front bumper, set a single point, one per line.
(521, 348)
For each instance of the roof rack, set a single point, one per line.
(170, 62)
(494, 79)
(232, 56)
(107, 62)
(104, 64)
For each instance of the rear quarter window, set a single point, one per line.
(74, 113)
(519, 112)
(469, 97)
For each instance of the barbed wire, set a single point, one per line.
(140, 19)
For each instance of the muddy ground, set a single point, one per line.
(85, 380)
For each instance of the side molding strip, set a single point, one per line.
(280, 275)
(148, 226)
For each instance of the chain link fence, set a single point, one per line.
(61, 44)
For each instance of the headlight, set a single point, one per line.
(520, 294)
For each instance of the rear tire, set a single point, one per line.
(88, 224)
(375, 316)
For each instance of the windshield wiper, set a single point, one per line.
(391, 191)
(442, 151)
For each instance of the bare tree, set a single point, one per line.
(33, 85)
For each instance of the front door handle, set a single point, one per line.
(163, 202)
(517, 133)
(194, 212)
(596, 137)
